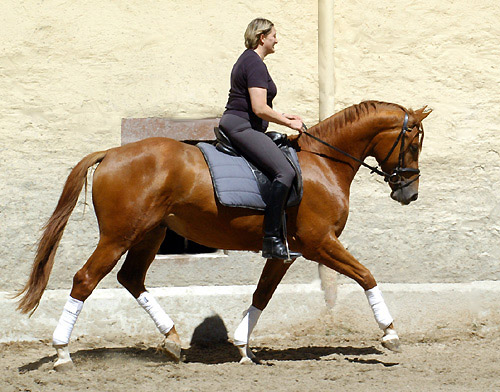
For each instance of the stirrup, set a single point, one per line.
(291, 254)
(274, 248)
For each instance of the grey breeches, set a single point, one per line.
(257, 148)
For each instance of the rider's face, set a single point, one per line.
(269, 40)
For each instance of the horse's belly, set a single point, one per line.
(222, 229)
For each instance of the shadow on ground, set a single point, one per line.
(151, 355)
(215, 354)
(210, 345)
(228, 353)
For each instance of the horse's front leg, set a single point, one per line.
(332, 254)
(271, 276)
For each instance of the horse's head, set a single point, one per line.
(397, 151)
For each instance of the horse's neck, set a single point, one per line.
(353, 138)
(356, 138)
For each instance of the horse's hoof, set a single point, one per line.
(64, 361)
(247, 356)
(251, 355)
(171, 349)
(63, 365)
(247, 361)
(391, 341)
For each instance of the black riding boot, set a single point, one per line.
(273, 246)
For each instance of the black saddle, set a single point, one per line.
(223, 144)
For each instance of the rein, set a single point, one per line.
(394, 178)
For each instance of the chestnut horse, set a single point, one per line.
(141, 189)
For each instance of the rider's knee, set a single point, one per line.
(286, 176)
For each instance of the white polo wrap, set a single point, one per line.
(67, 321)
(163, 322)
(380, 310)
(244, 330)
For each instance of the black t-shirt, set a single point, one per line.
(249, 71)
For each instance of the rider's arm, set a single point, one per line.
(258, 99)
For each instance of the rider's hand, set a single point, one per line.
(292, 117)
(296, 125)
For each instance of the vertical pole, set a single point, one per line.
(326, 107)
(325, 58)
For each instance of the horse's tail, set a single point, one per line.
(53, 231)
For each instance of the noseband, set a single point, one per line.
(396, 177)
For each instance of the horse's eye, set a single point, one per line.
(414, 148)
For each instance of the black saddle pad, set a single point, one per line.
(237, 183)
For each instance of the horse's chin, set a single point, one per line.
(404, 196)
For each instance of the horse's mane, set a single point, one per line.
(350, 115)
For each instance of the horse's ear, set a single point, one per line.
(422, 113)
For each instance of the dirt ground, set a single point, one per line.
(318, 360)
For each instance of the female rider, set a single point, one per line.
(248, 112)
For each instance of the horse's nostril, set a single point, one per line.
(414, 197)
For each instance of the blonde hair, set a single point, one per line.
(254, 30)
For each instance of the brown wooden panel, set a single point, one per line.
(134, 129)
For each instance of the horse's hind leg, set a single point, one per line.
(271, 276)
(132, 276)
(100, 263)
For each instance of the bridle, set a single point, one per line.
(396, 177)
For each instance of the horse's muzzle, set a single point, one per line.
(405, 195)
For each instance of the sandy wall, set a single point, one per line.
(69, 72)
(445, 55)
